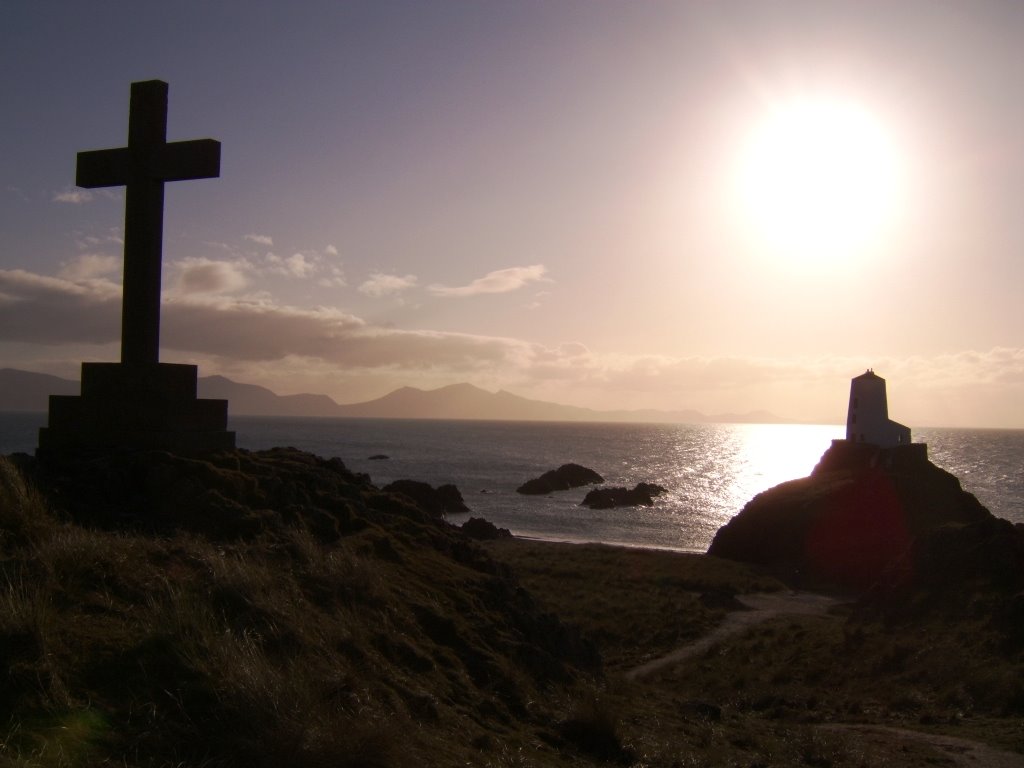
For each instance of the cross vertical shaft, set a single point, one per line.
(142, 168)
(143, 226)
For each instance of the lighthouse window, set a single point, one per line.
(855, 418)
(855, 402)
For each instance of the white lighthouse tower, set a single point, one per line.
(867, 420)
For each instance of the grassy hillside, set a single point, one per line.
(332, 625)
(272, 608)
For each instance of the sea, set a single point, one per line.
(709, 470)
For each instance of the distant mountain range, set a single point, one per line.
(26, 391)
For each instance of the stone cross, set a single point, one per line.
(142, 168)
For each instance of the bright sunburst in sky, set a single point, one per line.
(819, 179)
(726, 207)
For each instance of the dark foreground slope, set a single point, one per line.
(260, 609)
(274, 609)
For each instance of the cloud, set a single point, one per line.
(48, 310)
(53, 310)
(73, 195)
(88, 266)
(380, 284)
(260, 331)
(320, 266)
(92, 242)
(499, 281)
(202, 318)
(335, 278)
(298, 265)
(206, 276)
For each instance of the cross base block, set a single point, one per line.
(130, 406)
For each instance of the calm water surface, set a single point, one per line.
(710, 470)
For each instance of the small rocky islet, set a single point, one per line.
(562, 479)
(641, 495)
(570, 476)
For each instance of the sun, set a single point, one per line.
(818, 182)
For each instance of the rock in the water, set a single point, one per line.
(478, 528)
(858, 512)
(609, 498)
(451, 498)
(379, 457)
(651, 489)
(443, 500)
(562, 479)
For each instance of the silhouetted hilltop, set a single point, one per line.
(250, 399)
(21, 390)
(865, 511)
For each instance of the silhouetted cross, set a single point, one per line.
(142, 168)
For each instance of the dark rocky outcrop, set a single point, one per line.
(443, 500)
(484, 530)
(379, 457)
(609, 498)
(860, 510)
(228, 495)
(971, 570)
(562, 479)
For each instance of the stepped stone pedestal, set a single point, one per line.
(126, 406)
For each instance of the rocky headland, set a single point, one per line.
(871, 517)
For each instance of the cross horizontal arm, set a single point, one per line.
(177, 161)
(184, 160)
(103, 168)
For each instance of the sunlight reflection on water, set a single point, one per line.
(710, 471)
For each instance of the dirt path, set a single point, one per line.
(953, 751)
(761, 607)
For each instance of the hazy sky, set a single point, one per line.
(723, 206)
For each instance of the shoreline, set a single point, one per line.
(616, 545)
